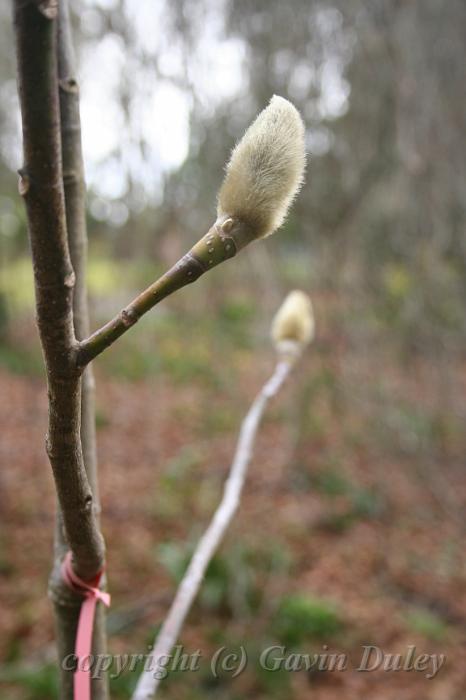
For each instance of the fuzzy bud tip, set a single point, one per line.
(293, 325)
(265, 170)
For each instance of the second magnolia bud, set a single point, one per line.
(294, 323)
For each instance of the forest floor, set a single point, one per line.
(350, 533)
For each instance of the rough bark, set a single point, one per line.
(41, 185)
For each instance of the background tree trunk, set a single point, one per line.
(75, 202)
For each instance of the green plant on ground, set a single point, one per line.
(301, 617)
(427, 623)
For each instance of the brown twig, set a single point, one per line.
(42, 189)
(221, 242)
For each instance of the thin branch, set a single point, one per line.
(263, 176)
(208, 544)
(215, 247)
(42, 188)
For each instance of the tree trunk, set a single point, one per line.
(41, 184)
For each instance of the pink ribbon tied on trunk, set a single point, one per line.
(83, 647)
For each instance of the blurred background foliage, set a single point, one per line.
(377, 237)
(380, 221)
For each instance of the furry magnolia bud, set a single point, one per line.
(293, 325)
(265, 170)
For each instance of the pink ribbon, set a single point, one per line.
(83, 647)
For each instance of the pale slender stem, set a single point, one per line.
(208, 544)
